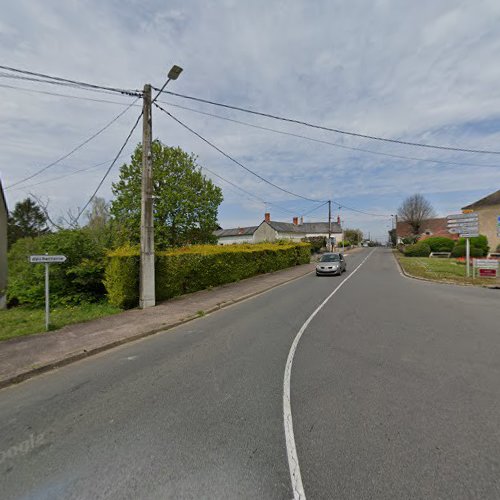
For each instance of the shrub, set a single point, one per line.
(316, 242)
(79, 279)
(418, 250)
(409, 240)
(459, 251)
(195, 268)
(440, 244)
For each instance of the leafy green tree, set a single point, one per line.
(26, 220)
(353, 235)
(185, 201)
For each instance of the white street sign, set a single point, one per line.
(454, 230)
(463, 224)
(486, 263)
(469, 235)
(462, 216)
(47, 259)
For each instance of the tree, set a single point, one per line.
(27, 219)
(98, 215)
(393, 237)
(353, 235)
(414, 210)
(185, 201)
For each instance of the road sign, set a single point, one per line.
(486, 263)
(487, 273)
(463, 224)
(469, 235)
(47, 259)
(462, 216)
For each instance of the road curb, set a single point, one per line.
(441, 282)
(38, 370)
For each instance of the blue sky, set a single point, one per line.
(419, 71)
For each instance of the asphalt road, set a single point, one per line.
(395, 393)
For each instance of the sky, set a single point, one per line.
(422, 71)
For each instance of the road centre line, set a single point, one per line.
(291, 449)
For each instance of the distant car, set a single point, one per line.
(330, 264)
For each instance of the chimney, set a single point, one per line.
(338, 220)
(295, 221)
(267, 217)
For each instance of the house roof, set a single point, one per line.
(236, 231)
(436, 227)
(305, 227)
(491, 199)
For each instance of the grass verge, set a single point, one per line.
(441, 270)
(20, 321)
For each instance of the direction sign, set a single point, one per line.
(469, 235)
(462, 216)
(47, 259)
(463, 224)
(486, 263)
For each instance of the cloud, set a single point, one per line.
(421, 71)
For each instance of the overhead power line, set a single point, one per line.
(74, 82)
(69, 96)
(235, 161)
(86, 141)
(321, 141)
(329, 129)
(110, 167)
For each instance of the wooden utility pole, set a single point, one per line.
(147, 276)
(329, 225)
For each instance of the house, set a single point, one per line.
(488, 211)
(428, 228)
(270, 230)
(235, 235)
(4, 214)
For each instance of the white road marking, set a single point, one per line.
(291, 449)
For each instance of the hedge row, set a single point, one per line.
(196, 268)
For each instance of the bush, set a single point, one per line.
(79, 279)
(409, 240)
(459, 251)
(418, 250)
(440, 244)
(195, 268)
(316, 242)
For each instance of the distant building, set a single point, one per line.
(4, 214)
(488, 210)
(270, 230)
(428, 228)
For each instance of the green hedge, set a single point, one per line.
(418, 250)
(196, 268)
(440, 243)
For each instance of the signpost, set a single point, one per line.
(467, 226)
(47, 259)
(487, 268)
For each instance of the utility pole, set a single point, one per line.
(329, 225)
(147, 277)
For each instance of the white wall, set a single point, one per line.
(231, 240)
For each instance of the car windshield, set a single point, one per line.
(330, 258)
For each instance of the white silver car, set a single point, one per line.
(331, 264)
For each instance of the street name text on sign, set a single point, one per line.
(47, 259)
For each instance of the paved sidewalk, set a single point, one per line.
(23, 357)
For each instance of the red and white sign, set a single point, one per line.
(487, 273)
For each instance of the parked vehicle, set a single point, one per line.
(331, 264)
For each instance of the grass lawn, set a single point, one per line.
(20, 321)
(445, 270)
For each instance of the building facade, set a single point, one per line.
(488, 211)
(270, 230)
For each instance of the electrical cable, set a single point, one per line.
(337, 131)
(110, 167)
(93, 136)
(260, 127)
(74, 82)
(235, 161)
